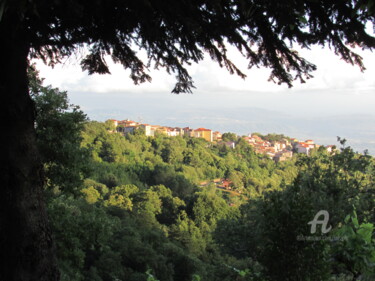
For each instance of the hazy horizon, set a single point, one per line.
(339, 101)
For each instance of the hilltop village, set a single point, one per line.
(278, 150)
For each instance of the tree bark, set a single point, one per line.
(26, 247)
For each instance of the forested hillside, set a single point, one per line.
(134, 207)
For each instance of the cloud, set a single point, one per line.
(332, 74)
(337, 88)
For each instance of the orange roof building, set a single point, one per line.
(202, 133)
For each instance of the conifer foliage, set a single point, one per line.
(173, 34)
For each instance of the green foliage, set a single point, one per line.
(354, 250)
(121, 196)
(269, 227)
(339, 181)
(173, 34)
(209, 207)
(179, 163)
(101, 188)
(229, 137)
(145, 217)
(150, 277)
(275, 225)
(275, 137)
(58, 127)
(90, 194)
(96, 242)
(82, 232)
(188, 234)
(171, 206)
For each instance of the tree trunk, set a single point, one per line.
(26, 247)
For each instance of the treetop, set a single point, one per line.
(175, 34)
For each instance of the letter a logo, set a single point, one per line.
(323, 222)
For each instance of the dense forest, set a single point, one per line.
(133, 207)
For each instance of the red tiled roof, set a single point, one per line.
(202, 129)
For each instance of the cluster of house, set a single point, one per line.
(306, 146)
(283, 150)
(276, 150)
(129, 126)
(219, 183)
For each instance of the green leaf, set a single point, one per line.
(355, 221)
(365, 231)
(347, 218)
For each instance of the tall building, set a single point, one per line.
(203, 133)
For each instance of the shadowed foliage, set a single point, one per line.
(173, 34)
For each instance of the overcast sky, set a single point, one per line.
(337, 90)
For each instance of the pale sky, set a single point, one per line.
(332, 73)
(337, 91)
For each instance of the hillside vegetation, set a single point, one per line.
(134, 207)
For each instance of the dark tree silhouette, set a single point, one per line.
(174, 34)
